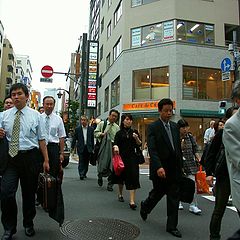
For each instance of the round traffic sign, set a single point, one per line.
(47, 71)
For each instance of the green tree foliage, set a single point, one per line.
(73, 114)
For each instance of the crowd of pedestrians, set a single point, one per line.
(33, 141)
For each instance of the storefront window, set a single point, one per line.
(205, 84)
(151, 83)
(141, 84)
(195, 32)
(152, 34)
(209, 34)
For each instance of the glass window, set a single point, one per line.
(136, 3)
(152, 34)
(195, 32)
(149, 1)
(106, 100)
(99, 109)
(108, 61)
(118, 13)
(141, 79)
(160, 83)
(205, 84)
(136, 37)
(115, 92)
(181, 30)
(209, 34)
(109, 30)
(151, 83)
(102, 25)
(189, 83)
(117, 49)
(101, 53)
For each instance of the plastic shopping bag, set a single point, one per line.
(202, 186)
(118, 164)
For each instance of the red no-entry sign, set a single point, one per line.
(47, 71)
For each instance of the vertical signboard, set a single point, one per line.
(92, 74)
(168, 31)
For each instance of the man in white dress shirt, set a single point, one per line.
(55, 135)
(25, 134)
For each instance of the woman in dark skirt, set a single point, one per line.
(126, 142)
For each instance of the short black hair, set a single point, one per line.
(7, 97)
(123, 117)
(19, 86)
(164, 101)
(182, 123)
(49, 97)
(114, 110)
(229, 111)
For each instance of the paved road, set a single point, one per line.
(84, 200)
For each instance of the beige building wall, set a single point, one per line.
(218, 12)
(8, 69)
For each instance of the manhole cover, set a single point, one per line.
(99, 229)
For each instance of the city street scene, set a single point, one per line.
(119, 120)
(85, 201)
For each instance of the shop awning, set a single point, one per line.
(200, 113)
(143, 114)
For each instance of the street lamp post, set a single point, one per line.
(59, 94)
(232, 48)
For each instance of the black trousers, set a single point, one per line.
(54, 158)
(83, 163)
(171, 190)
(24, 167)
(223, 190)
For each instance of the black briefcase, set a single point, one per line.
(187, 190)
(47, 191)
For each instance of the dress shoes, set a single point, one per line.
(81, 177)
(8, 234)
(133, 206)
(143, 213)
(175, 233)
(29, 231)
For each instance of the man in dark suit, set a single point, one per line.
(165, 166)
(84, 135)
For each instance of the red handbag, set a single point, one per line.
(118, 164)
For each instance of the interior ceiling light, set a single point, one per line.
(194, 27)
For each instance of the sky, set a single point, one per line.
(48, 31)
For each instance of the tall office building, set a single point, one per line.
(154, 49)
(8, 68)
(1, 43)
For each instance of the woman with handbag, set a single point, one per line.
(126, 142)
(216, 166)
(190, 160)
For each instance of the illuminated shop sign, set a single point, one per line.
(92, 74)
(137, 106)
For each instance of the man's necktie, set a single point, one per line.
(168, 130)
(14, 144)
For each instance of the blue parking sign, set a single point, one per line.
(226, 65)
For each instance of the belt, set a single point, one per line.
(52, 144)
(26, 151)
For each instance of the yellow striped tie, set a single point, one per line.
(14, 144)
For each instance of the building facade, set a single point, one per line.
(8, 68)
(152, 49)
(1, 44)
